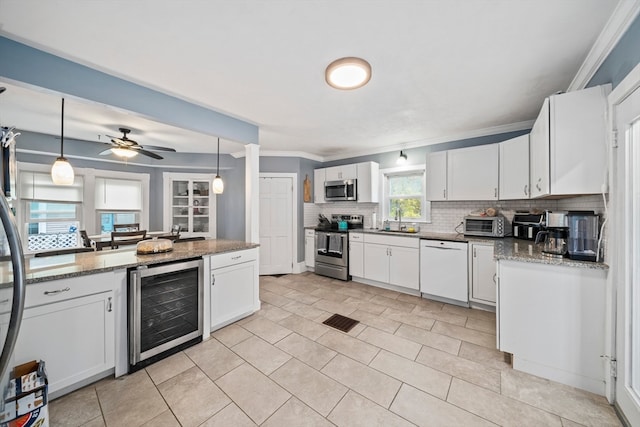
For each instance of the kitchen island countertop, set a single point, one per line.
(65, 266)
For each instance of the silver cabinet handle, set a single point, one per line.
(57, 291)
(494, 278)
(474, 253)
(236, 257)
(4, 301)
(495, 192)
(526, 189)
(538, 184)
(213, 279)
(444, 193)
(109, 305)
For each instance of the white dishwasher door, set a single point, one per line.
(443, 270)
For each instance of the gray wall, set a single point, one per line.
(622, 59)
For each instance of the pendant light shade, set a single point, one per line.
(61, 171)
(218, 184)
(402, 159)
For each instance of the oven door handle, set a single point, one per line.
(134, 317)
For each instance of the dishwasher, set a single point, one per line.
(443, 271)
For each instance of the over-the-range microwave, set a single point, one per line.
(346, 189)
(488, 226)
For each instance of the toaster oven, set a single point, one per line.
(487, 226)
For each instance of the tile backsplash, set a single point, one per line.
(446, 216)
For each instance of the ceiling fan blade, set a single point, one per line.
(106, 152)
(150, 154)
(158, 148)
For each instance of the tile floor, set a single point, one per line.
(409, 362)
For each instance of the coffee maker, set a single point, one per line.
(555, 234)
(583, 235)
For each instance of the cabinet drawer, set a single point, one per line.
(407, 242)
(6, 295)
(65, 289)
(356, 237)
(231, 258)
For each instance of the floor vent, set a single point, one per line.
(341, 323)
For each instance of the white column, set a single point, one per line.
(252, 193)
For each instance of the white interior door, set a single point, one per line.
(276, 225)
(625, 259)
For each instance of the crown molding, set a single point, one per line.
(619, 21)
(274, 153)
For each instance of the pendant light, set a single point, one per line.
(61, 171)
(218, 185)
(402, 159)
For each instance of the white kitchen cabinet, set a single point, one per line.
(552, 319)
(234, 286)
(436, 176)
(356, 254)
(70, 324)
(392, 260)
(514, 168)
(472, 173)
(190, 204)
(482, 273)
(368, 182)
(309, 247)
(568, 154)
(319, 177)
(337, 173)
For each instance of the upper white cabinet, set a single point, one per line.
(437, 176)
(568, 154)
(319, 176)
(190, 204)
(472, 173)
(368, 174)
(336, 173)
(514, 168)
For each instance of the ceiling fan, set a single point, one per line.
(128, 148)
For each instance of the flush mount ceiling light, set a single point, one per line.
(348, 73)
(402, 159)
(61, 171)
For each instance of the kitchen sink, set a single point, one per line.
(399, 231)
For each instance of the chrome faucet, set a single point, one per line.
(399, 216)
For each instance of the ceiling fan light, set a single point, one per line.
(123, 152)
(218, 185)
(62, 172)
(348, 73)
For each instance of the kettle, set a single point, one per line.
(555, 241)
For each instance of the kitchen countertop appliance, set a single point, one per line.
(555, 234)
(332, 244)
(526, 225)
(583, 235)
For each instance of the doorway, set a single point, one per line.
(277, 222)
(625, 256)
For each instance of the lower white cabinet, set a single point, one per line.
(482, 277)
(309, 248)
(70, 325)
(234, 286)
(552, 319)
(392, 260)
(356, 254)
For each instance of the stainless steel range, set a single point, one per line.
(332, 245)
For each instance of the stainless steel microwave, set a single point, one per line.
(488, 226)
(341, 190)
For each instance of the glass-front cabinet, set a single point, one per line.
(190, 204)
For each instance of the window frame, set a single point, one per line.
(385, 198)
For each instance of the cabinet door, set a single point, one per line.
(376, 262)
(472, 173)
(336, 173)
(539, 153)
(483, 274)
(356, 259)
(368, 178)
(191, 204)
(309, 248)
(514, 168)
(437, 176)
(404, 267)
(319, 177)
(233, 293)
(75, 338)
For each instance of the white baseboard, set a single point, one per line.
(299, 267)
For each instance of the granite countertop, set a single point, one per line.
(64, 266)
(526, 251)
(428, 235)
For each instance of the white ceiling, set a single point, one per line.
(442, 70)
